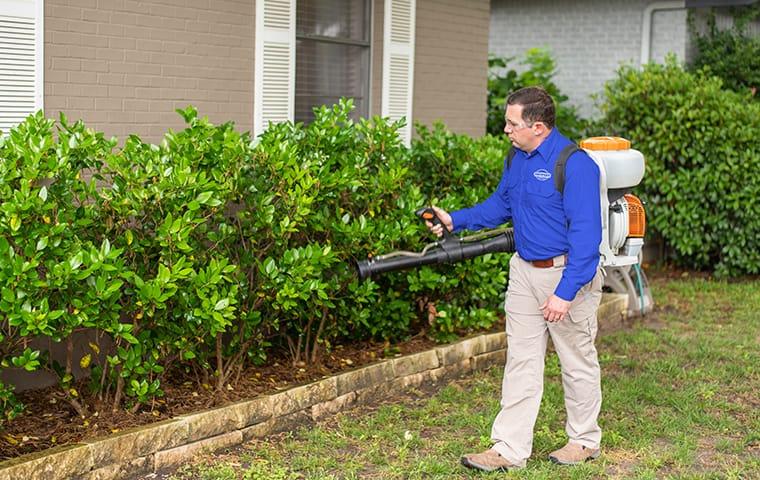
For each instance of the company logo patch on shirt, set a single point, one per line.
(542, 175)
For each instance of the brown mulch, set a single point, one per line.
(48, 421)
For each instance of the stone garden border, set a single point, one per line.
(168, 444)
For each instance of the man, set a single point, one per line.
(554, 283)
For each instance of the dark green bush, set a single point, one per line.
(165, 210)
(540, 70)
(731, 54)
(462, 172)
(58, 272)
(10, 407)
(315, 197)
(197, 256)
(703, 162)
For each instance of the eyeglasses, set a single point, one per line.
(516, 126)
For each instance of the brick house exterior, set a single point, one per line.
(590, 39)
(124, 66)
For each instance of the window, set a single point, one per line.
(313, 52)
(332, 55)
(20, 60)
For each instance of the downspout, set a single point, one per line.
(646, 28)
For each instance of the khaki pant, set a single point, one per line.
(527, 334)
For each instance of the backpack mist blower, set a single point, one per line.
(623, 225)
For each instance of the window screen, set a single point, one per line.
(332, 55)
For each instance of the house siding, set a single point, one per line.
(589, 39)
(451, 64)
(124, 66)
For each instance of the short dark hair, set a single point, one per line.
(537, 104)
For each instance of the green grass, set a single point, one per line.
(680, 393)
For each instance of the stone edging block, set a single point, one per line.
(365, 377)
(137, 442)
(137, 466)
(614, 307)
(490, 359)
(494, 341)
(415, 363)
(54, 463)
(300, 398)
(166, 444)
(463, 350)
(174, 457)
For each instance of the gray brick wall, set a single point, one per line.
(670, 34)
(124, 66)
(589, 39)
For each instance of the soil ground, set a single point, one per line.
(48, 421)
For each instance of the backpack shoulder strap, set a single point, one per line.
(559, 167)
(510, 156)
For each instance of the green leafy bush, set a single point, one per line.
(316, 197)
(731, 54)
(10, 407)
(539, 70)
(197, 256)
(462, 172)
(703, 159)
(165, 210)
(58, 273)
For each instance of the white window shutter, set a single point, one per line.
(274, 64)
(21, 60)
(398, 62)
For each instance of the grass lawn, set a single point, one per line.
(681, 400)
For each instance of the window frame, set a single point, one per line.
(368, 16)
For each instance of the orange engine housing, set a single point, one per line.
(637, 222)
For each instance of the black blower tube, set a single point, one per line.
(450, 250)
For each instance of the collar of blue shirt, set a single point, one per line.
(547, 148)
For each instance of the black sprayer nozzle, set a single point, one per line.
(451, 251)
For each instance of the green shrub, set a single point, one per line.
(166, 211)
(457, 171)
(197, 256)
(703, 159)
(731, 54)
(58, 273)
(10, 407)
(316, 197)
(539, 70)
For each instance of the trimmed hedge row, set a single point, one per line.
(194, 257)
(703, 162)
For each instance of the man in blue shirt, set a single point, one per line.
(554, 283)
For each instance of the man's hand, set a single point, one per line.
(555, 309)
(445, 219)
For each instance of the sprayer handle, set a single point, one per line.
(428, 214)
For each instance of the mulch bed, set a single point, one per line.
(48, 421)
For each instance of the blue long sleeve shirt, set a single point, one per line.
(547, 223)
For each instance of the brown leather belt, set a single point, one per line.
(549, 262)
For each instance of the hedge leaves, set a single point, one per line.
(703, 162)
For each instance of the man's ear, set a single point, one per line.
(539, 128)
